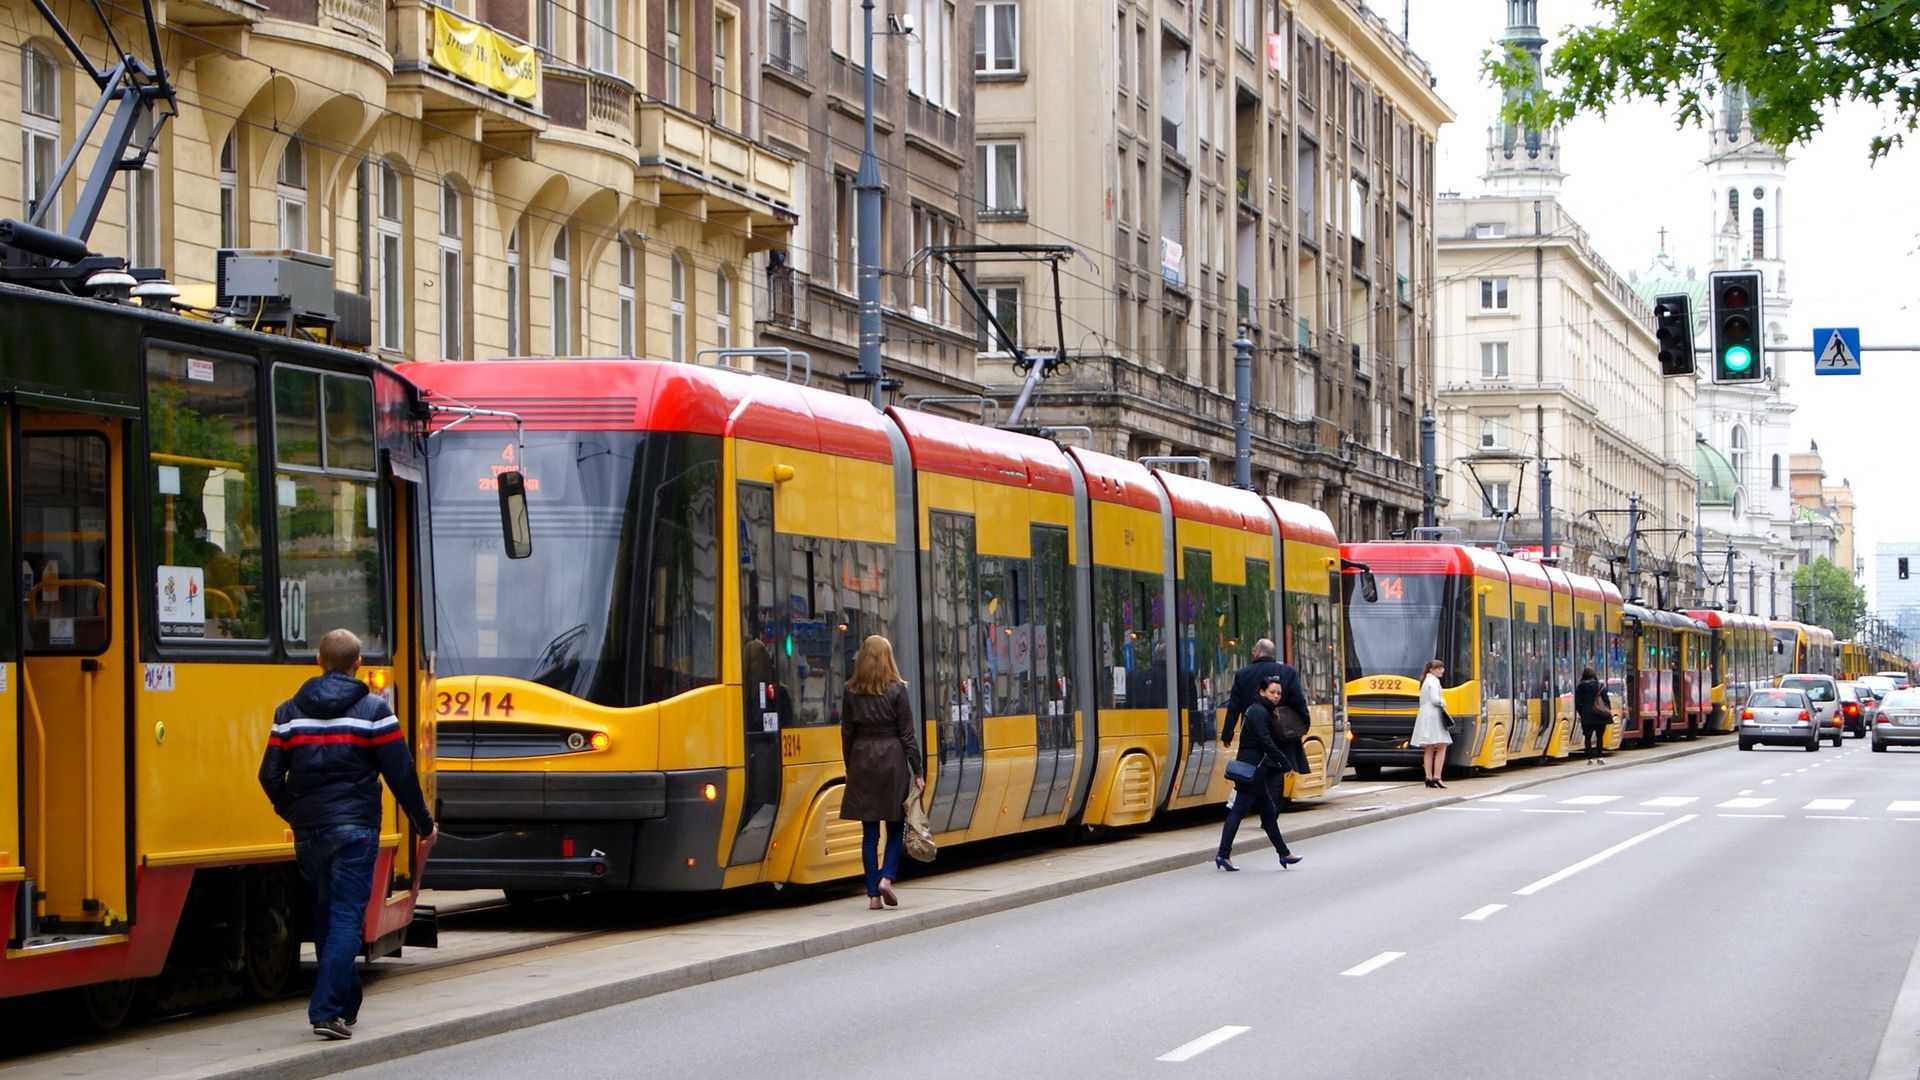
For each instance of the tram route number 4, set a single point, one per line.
(1836, 350)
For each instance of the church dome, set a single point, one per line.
(1717, 479)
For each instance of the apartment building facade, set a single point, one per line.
(1219, 164)
(497, 177)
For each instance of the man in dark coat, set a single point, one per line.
(1261, 793)
(332, 743)
(1246, 691)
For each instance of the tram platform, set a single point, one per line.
(509, 977)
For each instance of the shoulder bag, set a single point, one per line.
(919, 840)
(1241, 772)
(1289, 724)
(1446, 718)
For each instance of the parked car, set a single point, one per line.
(1857, 706)
(1899, 721)
(1824, 692)
(1780, 717)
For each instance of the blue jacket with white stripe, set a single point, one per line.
(331, 744)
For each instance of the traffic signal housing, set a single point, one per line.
(1737, 353)
(1673, 329)
(1903, 568)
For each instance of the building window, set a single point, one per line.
(723, 95)
(229, 194)
(453, 272)
(677, 310)
(931, 230)
(840, 242)
(675, 16)
(291, 195)
(545, 13)
(629, 325)
(1493, 360)
(1493, 294)
(723, 310)
(1004, 302)
(1496, 499)
(560, 275)
(1246, 22)
(997, 166)
(1739, 445)
(1493, 434)
(1490, 230)
(39, 132)
(996, 39)
(516, 295)
(1776, 472)
(143, 202)
(603, 31)
(1733, 204)
(1759, 233)
(389, 255)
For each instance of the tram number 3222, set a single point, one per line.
(462, 703)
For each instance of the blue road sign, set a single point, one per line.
(1836, 350)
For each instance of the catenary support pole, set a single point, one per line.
(1243, 411)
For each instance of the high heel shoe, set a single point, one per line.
(1221, 862)
(1288, 860)
(887, 894)
(1431, 782)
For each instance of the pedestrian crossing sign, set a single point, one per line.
(1836, 350)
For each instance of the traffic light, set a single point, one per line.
(1737, 353)
(1673, 328)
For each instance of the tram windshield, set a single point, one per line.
(1418, 617)
(615, 605)
(1786, 650)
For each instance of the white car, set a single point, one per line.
(1823, 691)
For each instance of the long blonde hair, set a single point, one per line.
(874, 670)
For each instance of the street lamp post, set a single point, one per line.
(866, 184)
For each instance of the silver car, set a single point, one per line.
(1783, 717)
(1824, 692)
(1898, 723)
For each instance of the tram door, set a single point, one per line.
(66, 479)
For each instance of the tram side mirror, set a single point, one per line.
(1369, 588)
(514, 528)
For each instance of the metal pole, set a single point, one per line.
(1633, 549)
(1729, 575)
(1546, 487)
(1753, 577)
(1428, 519)
(1700, 540)
(867, 184)
(1243, 411)
(1773, 593)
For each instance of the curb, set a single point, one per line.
(301, 1063)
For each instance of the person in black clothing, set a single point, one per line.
(332, 743)
(1588, 697)
(1246, 692)
(1261, 750)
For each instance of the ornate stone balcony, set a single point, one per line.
(714, 175)
(453, 101)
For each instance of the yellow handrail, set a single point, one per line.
(87, 670)
(160, 458)
(40, 792)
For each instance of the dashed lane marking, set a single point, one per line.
(1904, 806)
(1588, 800)
(1671, 800)
(1480, 914)
(1548, 810)
(1837, 817)
(1204, 1043)
(1768, 816)
(1512, 797)
(1481, 809)
(1743, 804)
(1594, 860)
(1637, 813)
(1828, 804)
(1370, 966)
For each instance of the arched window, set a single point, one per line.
(516, 295)
(1733, 203)
(1739, 444)
(677, 309)
(389, 252)
(560, 271)
(723, 310)
(1776, 472)
(1738, 506)
(453, 271)
(230, 191)
(1759, 233)
(291, 195)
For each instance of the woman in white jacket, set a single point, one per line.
(1429, 725)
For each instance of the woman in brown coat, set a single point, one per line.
(882, 751)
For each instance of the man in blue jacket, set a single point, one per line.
(332, 743)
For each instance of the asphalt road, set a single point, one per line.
(1731, 914)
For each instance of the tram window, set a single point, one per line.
(953, 634)
(327, 509)
(683, 567)
(1053, 636)
(998, 623)
(63, 535)
(203, 438)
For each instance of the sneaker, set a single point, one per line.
(333, 1029)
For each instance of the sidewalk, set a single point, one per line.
(408, 1012)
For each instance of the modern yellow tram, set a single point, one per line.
(188, 507)
(710, 547)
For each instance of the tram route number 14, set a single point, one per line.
(462, 703)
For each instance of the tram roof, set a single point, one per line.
(1424, 558)
(1304, 523)
(1116, 480)
(1202, 500)
(1524, 572)
(658, 395)
(957, 448)
(1731, 619)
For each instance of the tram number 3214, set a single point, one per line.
(461, 703)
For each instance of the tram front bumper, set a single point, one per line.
(566, 832)
(1381, 739)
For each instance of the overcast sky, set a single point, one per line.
(1851, 233)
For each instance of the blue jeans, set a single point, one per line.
(337, 861)
(870, 860)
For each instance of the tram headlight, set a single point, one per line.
(599, 741)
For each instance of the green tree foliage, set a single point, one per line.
(1798, 58)
(1827, 595)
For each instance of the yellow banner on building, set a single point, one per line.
(478, 54)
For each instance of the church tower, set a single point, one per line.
(1746, 184)
(1521, 162)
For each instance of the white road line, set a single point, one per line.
(1671, 800)
(1548, 810)
(1592, 860)
(1482, 809)
(1837, 817)
(1508, 798)
(1204, 1043)
(1773, 816)
(1588, 800)
(1479, 914)
(1636, 813)
(1766, 781)
(1903, 806)
(1743, 804)
(1749, 791)
(1365, 789)
(1907, 819)
(1374, 964)
(1828, 804)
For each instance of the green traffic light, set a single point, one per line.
(1737, 358)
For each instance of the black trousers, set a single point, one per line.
(1262, 796)
(1595, 736)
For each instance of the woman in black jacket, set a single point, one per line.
(1260, 749)
(1588, 700)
